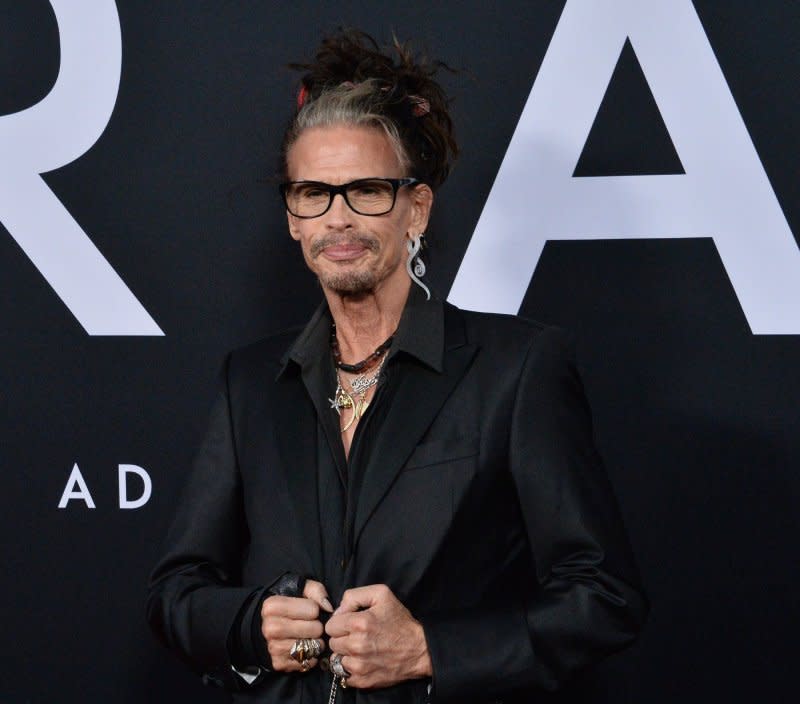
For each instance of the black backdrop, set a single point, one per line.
(696, 417)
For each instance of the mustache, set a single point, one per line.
(369, 242)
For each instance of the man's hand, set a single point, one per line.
(380, 641)
(284, 619)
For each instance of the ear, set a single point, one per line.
(293, 231)
(421, 204)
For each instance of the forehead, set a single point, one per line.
(341, 153)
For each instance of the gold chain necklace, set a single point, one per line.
(354, 400)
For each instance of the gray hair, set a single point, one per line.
(351, 105)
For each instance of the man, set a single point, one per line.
(402, 502)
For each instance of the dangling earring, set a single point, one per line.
(414, 245)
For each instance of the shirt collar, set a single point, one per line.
(420, 334)
(421, 330)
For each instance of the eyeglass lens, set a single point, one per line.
(367, 197)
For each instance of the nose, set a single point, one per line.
(339, 215)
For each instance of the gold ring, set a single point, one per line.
(299, 650)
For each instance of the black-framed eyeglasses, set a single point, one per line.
(365, 196)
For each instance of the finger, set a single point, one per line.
(316, 592)
(347, 662)
(343, 624)
(280, 654)
(281, 628)
(281, 661)
(359, 643)
(363, 597)
(340, 645)
(357, 668)
(335, 627)
(290, 607)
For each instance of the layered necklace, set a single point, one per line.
(367, 374)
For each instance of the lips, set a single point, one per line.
(343, 252)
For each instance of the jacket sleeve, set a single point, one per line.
(585, 601)
(196, 603)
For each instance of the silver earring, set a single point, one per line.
(419, 267)
(414, 244)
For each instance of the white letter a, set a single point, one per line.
(724, 194)
(76, 478)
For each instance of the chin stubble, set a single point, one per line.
(347, 282)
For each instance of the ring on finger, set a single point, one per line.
(314, 648)
(299, 650)
(305, 649)
(337, 668)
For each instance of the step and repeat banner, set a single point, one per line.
(628, 172)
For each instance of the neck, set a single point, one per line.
(365, 321)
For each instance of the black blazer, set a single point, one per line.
(485, 508)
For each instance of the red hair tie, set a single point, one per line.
(419, 105)
(302, 96)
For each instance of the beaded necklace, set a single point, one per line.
(355, 399)
(358, 367)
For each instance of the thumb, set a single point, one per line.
(360, 598)
(317, 593)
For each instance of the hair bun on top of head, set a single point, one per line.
(352, 75)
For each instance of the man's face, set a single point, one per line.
(352, 253)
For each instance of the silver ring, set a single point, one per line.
(314, 648)
(337, 668)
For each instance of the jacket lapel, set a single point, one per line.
(413, 408)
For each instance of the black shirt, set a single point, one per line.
(419, 339)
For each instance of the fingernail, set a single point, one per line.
(326, 604)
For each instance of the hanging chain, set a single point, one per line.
(335, 683)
